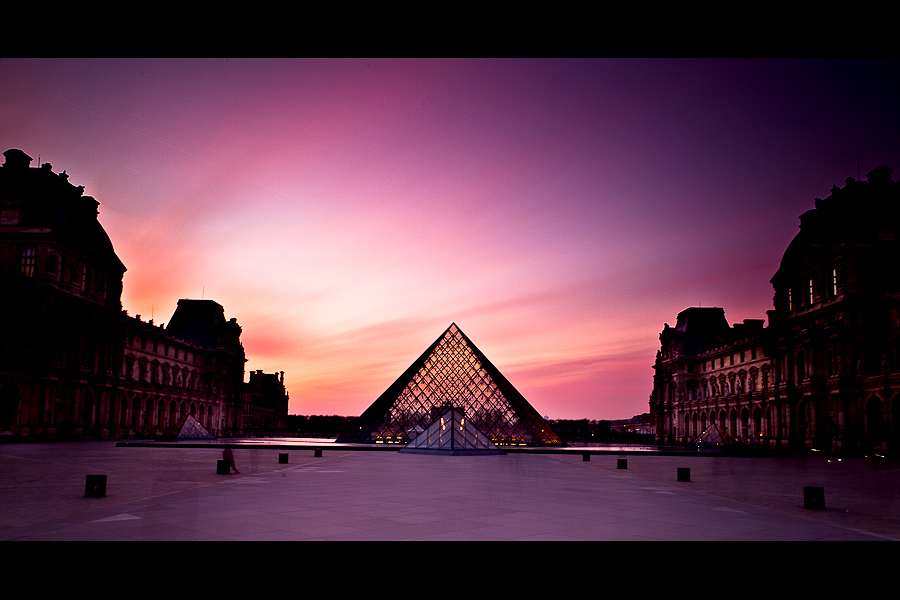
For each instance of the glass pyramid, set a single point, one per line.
(452, 372)
(452, 434)
(187, 428)
(713, 437)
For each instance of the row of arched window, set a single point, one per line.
(869, 418)
(167, 375)
(738, 383)
(66, 270)
(158, 414)
(744, 425)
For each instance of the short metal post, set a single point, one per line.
(684, 474)
(95, 486)
(223, 467)
(623, 463)
(318, 453)
(813, 497)
(586, 457)
(282, 458)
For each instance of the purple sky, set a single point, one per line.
(559, 211)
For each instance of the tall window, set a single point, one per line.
(53, 265)
(811, 292)
(27, 264)
(77, 275)
(790, 299)
(834, 282)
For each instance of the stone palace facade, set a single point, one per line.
(73, 364)
(825, 372)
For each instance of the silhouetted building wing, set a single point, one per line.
(452, 372)
(61, 282)
(825, 373)
(72, 363)
(265, 402)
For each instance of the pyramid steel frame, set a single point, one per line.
(452, 372)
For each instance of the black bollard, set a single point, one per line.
(623, 463)
(813, 497)
(586, 457)
(223, 467)
(282, 458)
(684, 474)
(317, 453)
(95, 486)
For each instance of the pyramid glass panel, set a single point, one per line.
(713, 437)
(187, 428)
(452, 372)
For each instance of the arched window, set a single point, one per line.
(874, 420)
(161, 415)
(53, 265)
(26, 262)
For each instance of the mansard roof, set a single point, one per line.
(861, 214)
(202, 322)
(47, 203)
(452, 372)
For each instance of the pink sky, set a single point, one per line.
(559, 211)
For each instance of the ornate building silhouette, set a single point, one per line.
(265, 402)
(825, 372)
(72, 363)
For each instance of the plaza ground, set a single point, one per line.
(165, 493)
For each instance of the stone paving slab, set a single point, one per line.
(175, 494)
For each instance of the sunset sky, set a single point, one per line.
(347, 211)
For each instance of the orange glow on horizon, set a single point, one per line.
(345, 212)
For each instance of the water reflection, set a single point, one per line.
(312, 443)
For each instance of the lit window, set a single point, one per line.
(811, 292)
(28, 258)
(834, 282)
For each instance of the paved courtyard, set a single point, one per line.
(175, 494)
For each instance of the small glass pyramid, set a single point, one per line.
(187, 428)
(452, 434)
(713, 437)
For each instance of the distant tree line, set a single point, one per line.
(581, 431)
(584, 431)
(318, 425)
